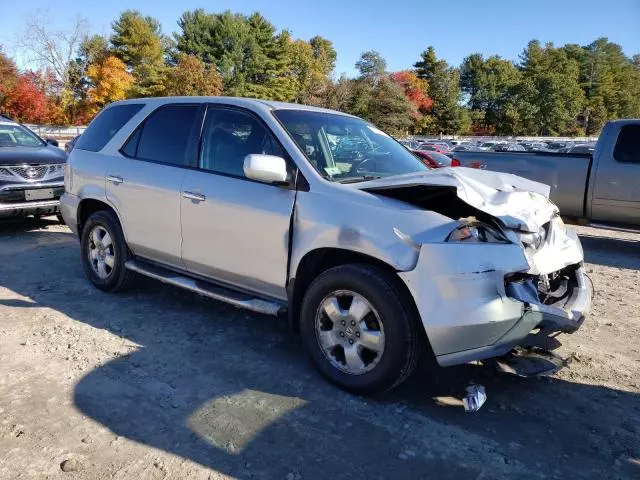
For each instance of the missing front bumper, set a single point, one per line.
(538, 325)
(530, 362)
(566, 315)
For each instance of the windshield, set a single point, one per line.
(17, 136)
(345, 148)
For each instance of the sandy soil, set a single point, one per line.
(159, 383)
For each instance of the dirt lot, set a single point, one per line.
(159, 383)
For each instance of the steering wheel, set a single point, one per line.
(357, 167)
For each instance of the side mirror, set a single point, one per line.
(51, 141)
(265, 168)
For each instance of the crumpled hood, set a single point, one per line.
(519, 203)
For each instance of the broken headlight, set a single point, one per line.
(536, 240)
(476, 233)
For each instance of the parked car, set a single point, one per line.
(489, 145)
(466, 148)
(435, 159)
(557, 146)
(410, 144)
(508, 147)
(535, 146)
(375, 259)
(31, 172)
(582, 148)
(433, 147)
(70, 144)
(455, 143)
(443, 145)
(603, 187)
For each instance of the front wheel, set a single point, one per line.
(359, 329)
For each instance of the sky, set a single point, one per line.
(398, 29)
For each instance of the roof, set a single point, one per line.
(251, 103)
(625, 121)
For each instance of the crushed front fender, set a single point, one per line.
(459, 290)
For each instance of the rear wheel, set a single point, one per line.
(359, 330)
(104, 252)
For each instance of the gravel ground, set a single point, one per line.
(159, 383)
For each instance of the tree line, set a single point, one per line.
(568, 90)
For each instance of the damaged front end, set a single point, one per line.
(509, 276)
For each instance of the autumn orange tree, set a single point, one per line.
(415, 89)
(109, 82)
(191, 77)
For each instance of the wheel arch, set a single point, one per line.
(316, 261)
(88, 206)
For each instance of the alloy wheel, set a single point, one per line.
(101, 252)
(349, 332)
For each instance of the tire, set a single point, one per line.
(389, 307)
(118, 277)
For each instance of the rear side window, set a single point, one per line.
(628, 145)
(106, 125)
(164, 135)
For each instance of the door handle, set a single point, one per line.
(197, 197)
(115, 179)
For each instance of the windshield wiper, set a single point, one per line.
(361, 178)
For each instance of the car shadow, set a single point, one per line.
(611, 252)
(25, 224)
(234, 392)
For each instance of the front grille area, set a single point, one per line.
(31, 173)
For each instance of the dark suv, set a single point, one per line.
(31, 172)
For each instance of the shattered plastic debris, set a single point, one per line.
(476, 396)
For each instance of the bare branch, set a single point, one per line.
(47, 47)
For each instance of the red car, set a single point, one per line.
(436, 159)
(434, 147)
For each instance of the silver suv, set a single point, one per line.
(279, 208)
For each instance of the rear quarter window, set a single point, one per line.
(106, 125)
(627, 149)
(165, 135)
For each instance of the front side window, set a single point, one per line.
(164, 135)
(346, 149)
(106, 125)
(627, 149)
(229, 136)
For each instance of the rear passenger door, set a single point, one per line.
(144, 183)
(616, 191)
(236, 230)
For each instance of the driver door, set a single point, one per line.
(236, 230)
